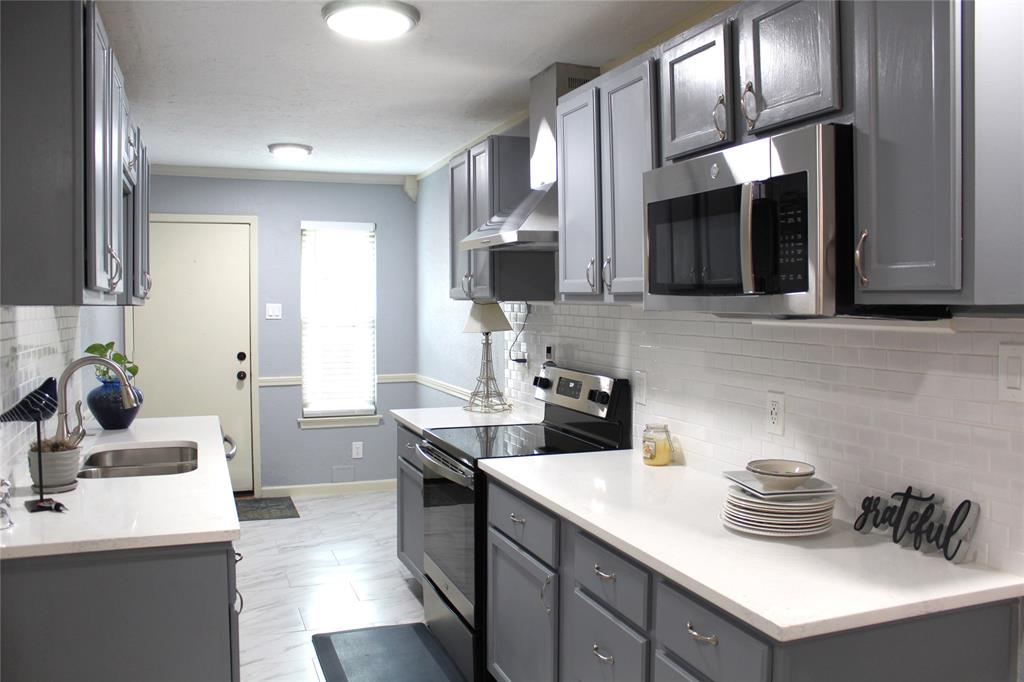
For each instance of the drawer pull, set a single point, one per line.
(604, 658)
(516, 519)
(703, 639)
(602, 575)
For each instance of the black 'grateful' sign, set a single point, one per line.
(918, 520)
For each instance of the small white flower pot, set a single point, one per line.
(60, 469)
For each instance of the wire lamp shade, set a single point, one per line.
(485, 318)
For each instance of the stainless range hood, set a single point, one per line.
(533, 225)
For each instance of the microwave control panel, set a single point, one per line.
(789, 197)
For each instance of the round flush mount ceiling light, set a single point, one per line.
(370, 20)
(290, 151)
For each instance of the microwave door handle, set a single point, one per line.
(747, 237)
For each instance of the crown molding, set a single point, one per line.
(508, 123)
(284, 175)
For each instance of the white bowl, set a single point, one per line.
(780, 474)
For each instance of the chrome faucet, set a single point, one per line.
(127, 396)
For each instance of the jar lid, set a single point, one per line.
(657, 427)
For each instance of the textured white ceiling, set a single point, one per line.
(212, 83)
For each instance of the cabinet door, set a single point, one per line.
(141, 281)
(789, 61)
(121, 187)
(908, 146)
(410, 516)
(458, 225)
(627, 152)
(696, 78)
(579, 196)
(99, 147)
(481, 208)
(522, 614)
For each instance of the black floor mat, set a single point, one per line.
(265, 508)
(393, 653)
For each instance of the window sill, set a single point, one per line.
(339, 422)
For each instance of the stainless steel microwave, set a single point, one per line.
(750, 230)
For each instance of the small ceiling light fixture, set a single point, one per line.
(290, 151)
(370, 20)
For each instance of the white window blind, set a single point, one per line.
(338, 319)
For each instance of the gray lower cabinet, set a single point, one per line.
(908, 148)
(598, 646)
(696, 91)
(788, 61)
(167, 613)
(522, 613)
(579, 197)
(410, 503)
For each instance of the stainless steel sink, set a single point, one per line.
(141, 461)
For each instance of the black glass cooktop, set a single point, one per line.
(479, 442)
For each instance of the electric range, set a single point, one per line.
(583, 412)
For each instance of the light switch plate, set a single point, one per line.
(1011, 372)
(273, 311)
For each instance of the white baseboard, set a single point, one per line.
(312, 489)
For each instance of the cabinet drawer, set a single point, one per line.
(733, 656)
(666, 670)
(407, 447)
(524, 522)
(598, 646)
(616, 581)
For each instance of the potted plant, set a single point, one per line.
(60, 466)
(104, 401)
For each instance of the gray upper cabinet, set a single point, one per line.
(458, 225)
(68, 190)
(908, 148)
(140, 277)
(627, 152)
(696, 92)
(579, 199)
(522, 614)
(788, 61)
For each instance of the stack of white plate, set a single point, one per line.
(781, 518)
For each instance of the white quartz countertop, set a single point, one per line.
(667, 519)
(453, 417)
(134, 512)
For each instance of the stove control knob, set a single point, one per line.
(599, 397)
(542, 382)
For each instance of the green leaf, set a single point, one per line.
(109, 346)
(97, 349)
(119, 359)
(133, 369)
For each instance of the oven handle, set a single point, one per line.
(442, 469)
(747, 237)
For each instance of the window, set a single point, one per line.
(338, 319)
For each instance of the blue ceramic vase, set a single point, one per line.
(104, 402)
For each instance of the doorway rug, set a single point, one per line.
(265, 508)
(391, 653)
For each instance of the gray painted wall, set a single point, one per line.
(443, 352)
(291, 456)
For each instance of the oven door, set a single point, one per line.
(449, 502)
(743, 231)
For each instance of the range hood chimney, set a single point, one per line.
(534, 222)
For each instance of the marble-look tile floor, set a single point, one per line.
(333, 568)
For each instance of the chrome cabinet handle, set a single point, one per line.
(6, 520)
(240, 600)
(232, 450)
(703, 639)
(857, 259)
(135, 152)
(604, 658)
(590, 274)
(720, 102)
(466, 283)
(602, 575)
(410, 446)
(516, 519)
(115, 277)
(543, 590)
(606, 273)
(147, 286)
(749, 90)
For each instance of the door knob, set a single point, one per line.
(241, 375)
(241, 355)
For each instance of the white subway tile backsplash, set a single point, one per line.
(873, 410)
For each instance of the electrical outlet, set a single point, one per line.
(274, 311)
(357, 450)
(1011, 372)
(775, 413)
(640, 387)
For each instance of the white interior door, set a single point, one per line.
(190, 334)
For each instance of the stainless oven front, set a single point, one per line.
(749, 230)
(449, 508)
